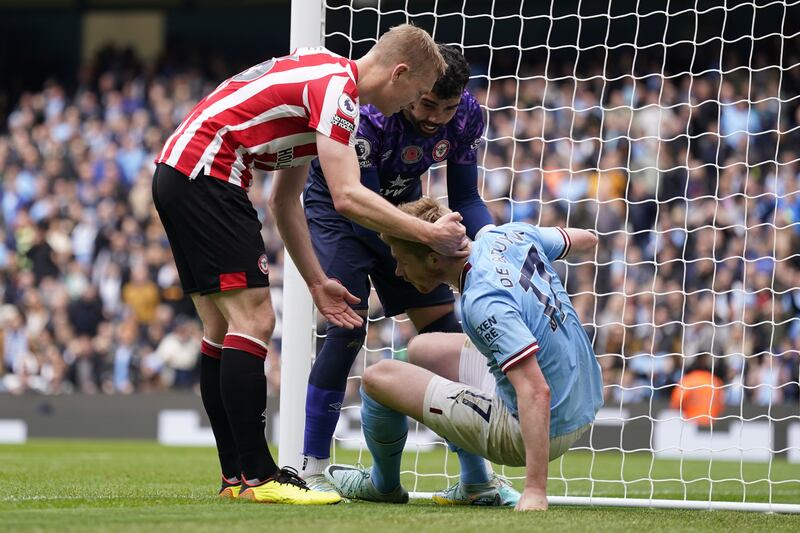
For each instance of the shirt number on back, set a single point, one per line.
(534, 266)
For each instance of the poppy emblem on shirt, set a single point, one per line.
(411, 154)
(441, 150)
(263, 264)
(347, 106)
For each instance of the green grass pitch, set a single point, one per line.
(70, 485)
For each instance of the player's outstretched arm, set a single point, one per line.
(533, 400)
(463, 196)
(356, 202)
(581, 240)
(330, 297)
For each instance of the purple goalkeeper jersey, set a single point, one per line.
(400, 154)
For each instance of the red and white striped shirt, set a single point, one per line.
(267, 117)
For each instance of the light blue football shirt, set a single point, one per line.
(514, 306)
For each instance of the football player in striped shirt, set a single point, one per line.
(394, 152)
(519, 389)
(277, 116)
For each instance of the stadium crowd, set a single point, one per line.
(690, 182)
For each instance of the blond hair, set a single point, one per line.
(413, 46)
(426, 209)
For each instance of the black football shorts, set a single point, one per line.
(213, 230)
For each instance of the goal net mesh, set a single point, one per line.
(671, 129)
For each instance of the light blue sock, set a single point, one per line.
(473, 467)
(385, 431)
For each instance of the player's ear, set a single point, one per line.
(399, 70)
(433, 260)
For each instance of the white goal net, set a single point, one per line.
(671, 129)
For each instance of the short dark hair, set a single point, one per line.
(456, 76)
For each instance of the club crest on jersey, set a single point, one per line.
(411, 154)
(263, 264)
(441, 150)
(347, 106)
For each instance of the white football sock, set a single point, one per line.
(313, 466)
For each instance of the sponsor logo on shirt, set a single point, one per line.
(343, 123)
(347, 106)
(475, 144)
(488, 330)
(411, 154)
(441, 150)
(396, 187)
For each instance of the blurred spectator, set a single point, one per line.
(141, 294)
(179, 352)
(126, 356)
(86, 313)
(15, 349)
(699, 395)
(85, 365)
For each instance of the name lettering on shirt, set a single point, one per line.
(497, 254)
(285, 158)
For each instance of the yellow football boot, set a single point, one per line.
(286, 486)
(230, 488)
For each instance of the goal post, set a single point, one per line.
(297, 341)
(670, 128)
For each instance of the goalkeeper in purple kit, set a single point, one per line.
(444, 125)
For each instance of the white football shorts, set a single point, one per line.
(470, 415)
